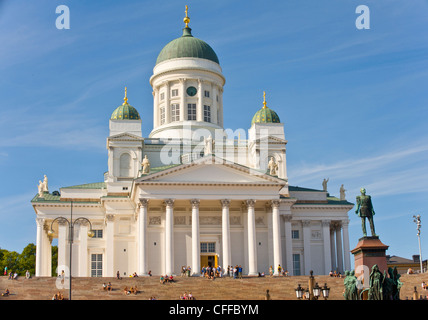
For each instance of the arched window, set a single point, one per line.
(125, 165)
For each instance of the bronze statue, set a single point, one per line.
(365, 210)
(376, 284)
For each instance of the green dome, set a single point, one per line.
(265, 115)
(187, 46)
(125, 112)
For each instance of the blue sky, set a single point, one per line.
(354, 102)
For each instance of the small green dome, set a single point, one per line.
(187, 46)
(265, 115)
(125, 112)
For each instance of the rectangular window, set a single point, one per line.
(296, 264)
(96, 265)
(191, 111)
(98, 234)
(162, 96)
(162, 116)
(175, 112)
(294, 234)
(207, 94)
(207, 113)
(208, 247)
(174, 93)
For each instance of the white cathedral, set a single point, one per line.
(192, 193)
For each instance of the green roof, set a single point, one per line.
(265, 115)
(96, 185)
(47, 197)
(187, 46)
(125, 112)
(295, 188)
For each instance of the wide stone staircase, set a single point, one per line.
(248, 288)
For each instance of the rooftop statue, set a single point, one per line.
(324, 184)
(342, 193)
(365, 210)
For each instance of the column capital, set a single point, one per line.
(40, 221)
(109, 217)
(169, 202)
(275, 203)
(195, 203)
(306, 223)
(287, 217)
(325, 223)
(225, 203)
(143, 202)
(250, 203)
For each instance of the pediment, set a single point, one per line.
(125, 136)
(272, 139)
(212, 170)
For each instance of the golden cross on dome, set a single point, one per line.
(264, 100)
(186, 19)
(126, 98)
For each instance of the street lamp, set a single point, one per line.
(299, 292)
(417, 220)
(325, 291)
(316, 291)
(71, 224)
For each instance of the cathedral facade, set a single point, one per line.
(192, 193)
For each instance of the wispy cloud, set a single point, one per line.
(388, 173)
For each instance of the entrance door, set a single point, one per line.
(209, 261)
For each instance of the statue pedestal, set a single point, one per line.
(368, 252)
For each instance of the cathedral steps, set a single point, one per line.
(248, 288)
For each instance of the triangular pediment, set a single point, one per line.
(125, 136)
(211, 170)
(272, 139)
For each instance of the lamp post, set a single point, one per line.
(417, 220)
(299, 292)
(71, 224)
(316, 291)
(325, 291)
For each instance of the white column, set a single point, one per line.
(220, 105)
(277, 256)
(167, 103)
(63, 255)
(288, 244)
(39, 247)
(156, 107)
(327, 247)
(200, 104)
(339, 248)
(346, 249)
(47, 252)
(307, 246)
(252, 248)
(169, 237)
(196, 248)
(333, 247)
(83, 251)
(215, 112)
(142, 238)
(182, 99)
(225, 233)
(109, 250)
